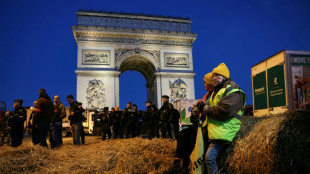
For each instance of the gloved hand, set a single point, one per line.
(205, 109)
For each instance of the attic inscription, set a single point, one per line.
(96, 57)
(176, 59)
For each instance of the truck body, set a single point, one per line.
(281, 83)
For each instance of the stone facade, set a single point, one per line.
(160, 48)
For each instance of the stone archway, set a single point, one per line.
(158, 47)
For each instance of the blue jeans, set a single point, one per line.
(76, 132)
(57, 133)
(211, 155)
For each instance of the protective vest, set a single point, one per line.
(225, 130)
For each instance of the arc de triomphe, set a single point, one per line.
(111, 43)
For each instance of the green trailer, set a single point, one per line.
(281, 82)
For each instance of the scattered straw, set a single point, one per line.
(275, 144)
(135, 155)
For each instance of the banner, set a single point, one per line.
(197, 162)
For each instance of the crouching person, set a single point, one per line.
(224, 114)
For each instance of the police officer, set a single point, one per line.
(130, 115)
(175, 120)
(149, 120)
(105, 124)
(16, 123)
(76, 118)
(165, 118)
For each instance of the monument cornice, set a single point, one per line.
(103, 34)
(132, 16)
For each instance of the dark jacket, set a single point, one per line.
(17, 118)
(33, 119)
(78, 110)
(165, 113)
(60, 112)
(45, 109)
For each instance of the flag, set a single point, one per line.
(197, 158)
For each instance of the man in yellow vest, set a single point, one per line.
(224, 112)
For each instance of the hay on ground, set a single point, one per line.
(136, 155)
(275, 144)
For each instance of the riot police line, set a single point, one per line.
(47, 121)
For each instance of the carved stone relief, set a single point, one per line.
(96, 57)
(176, 60)
(95, 94)
(178, 90)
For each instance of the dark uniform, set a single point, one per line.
(76, 122)
(156, 117)
(149, 120)
(16, 123)
(165, 120)
(175, 120)
(114, 122)
(131, 116)
(105, 124)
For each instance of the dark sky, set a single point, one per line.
(38, 50)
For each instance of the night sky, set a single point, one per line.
(38, 50)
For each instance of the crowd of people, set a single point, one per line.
(45, 121)
(126, 124)
(218, 114)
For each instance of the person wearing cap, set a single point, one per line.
(224, 112)
(16, 123)
(165, 118)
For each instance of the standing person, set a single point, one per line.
(76, 118)
(60, 114)
(6, 132)
(138, 116)
(105, 124)
(165, 118)
(149, 120)
(117, 126)
(156, 117)
(16, 123)
(224, 112)
(131, 116)
(175, 120)
(2, 127)
(33, 125)
(114, 123)
(45, 115)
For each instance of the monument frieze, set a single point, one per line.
(134, 39)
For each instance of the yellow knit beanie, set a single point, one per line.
(208, 78)
(222, 70)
